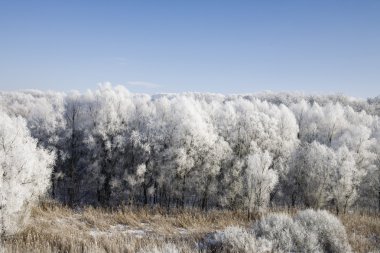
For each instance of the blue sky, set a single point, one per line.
(324, 46)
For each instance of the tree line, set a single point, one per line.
(110, 147)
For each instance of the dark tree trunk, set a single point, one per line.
(183, 191)
(293, 199)
(145, 189)
(205, 194)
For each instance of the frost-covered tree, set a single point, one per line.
(72, 149)
(346, 179)
(108, 111)
(260, 181)
(25, 171)
(370, 185)
(321, 177)
(370, 188)
(44, 115)
(310, 175)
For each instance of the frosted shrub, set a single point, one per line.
(285, 234)
(329, 231)
(24, 172)
(309, 231)
(236, 240)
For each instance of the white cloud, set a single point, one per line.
(148, 85)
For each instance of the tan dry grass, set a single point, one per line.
(363, 231)
(55, 228)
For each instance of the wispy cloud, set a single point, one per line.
(142, 84)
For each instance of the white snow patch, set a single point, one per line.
(120, 229)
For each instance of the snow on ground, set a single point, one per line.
(128, 230)
(120, 229)
(142, 230)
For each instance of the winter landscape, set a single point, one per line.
(115, 171)
(190, 126)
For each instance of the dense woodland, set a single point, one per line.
(110, 147)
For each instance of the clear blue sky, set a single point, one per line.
(323, 46)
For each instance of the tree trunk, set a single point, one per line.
(71, 186)
(145, 194)
(205, 194)
(183, 192)
(293, 200)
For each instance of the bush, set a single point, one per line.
(285, 234)
(235, 240)
(328, 230)
(309, 231)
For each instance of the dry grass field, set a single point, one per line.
(54, 228)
